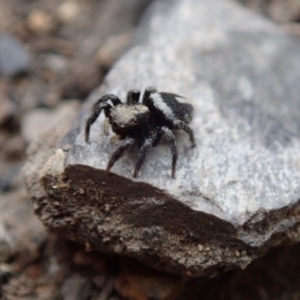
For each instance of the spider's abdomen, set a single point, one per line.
(172, 106)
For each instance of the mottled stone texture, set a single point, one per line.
(235, 195)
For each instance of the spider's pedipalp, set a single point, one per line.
(101, 104)
(133, 97)
(110, 97)
(96, 111)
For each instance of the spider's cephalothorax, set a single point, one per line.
(144, 124)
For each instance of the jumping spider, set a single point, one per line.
(144, 124)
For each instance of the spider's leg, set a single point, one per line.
(147, 93)
(181, 125)
(119, 152)
(93, 117)
(171, 139)
(157, 138)
(143, 150)
(109, 97)
(133, 97)
(102, 103)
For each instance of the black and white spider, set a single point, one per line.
(144, 124)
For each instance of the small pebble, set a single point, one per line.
(14, 148)
(106, 239)
(5, 272)
(40, 21)
(56, 63)
(76, 287)
(8, 109)
(14, 58)
(81, 258)
(99, 280)
(88, 247)
(200, 247)
(106, 290)
(68, 11)
(33, 271)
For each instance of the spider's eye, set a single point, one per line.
(134, 121)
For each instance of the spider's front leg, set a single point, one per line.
(119, 152)
(143, 151)
(101, 104)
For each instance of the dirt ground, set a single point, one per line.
(59, 51)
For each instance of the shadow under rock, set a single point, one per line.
(272, 277)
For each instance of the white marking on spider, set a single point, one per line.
(161, 105)
(181, 99)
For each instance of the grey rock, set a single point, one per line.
(8, 179)
(76, 287)
(235, 195)
(8, 109)
(14, 58)
(39, 120)
(21, 232)
(106, 290)
(5, 273)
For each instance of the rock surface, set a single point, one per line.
(235, 195)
